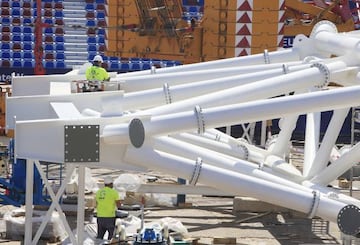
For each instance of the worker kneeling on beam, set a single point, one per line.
(96, 75)
(107, 202)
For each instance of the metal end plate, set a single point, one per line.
(349, 220)
(81, 143)
(136, 133)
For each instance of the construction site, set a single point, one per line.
(223, 122)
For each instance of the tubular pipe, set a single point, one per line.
(323, 154)
(250, 112)
(269, 87)
(155, 97)
(280, 56)
(236, 183)
(143, 82)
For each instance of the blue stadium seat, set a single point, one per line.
(60, 64)
(27, 21)
(136, 66)
(49, 47)
(114, 66)
(15, 4)
(91, 40)
(49, 64)
(49, 21)
(17, 55)
(60, 56)
(5, 21)
(60, 47)
(59, 14)
(59, 39)
(90, 23)
(91, 57)
(146, 66)
(101, 32)
(27, 30)
(48, 30)
(28, 64)
(17, 63)
(5, 47)
(5, 54)
(16, 38)
(100, 1)
(90, 7)
(28, 46)
(28, 38)
(100, 15)
(91, 48)
(16, 30)
(28, 55)
(101, 40)
(124, 67)
(15, 12)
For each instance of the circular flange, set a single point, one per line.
(323, 25)
(136, 132)
(349, 220)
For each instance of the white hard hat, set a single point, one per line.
(108, 180)
(98, 58)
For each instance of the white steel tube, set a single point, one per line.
(261, 89)
(29, 201)
(236, 183)
(338, 167)
(285, 55)
(234, 149)
(170, 94)
(323, 154)
(216, 158)
(282, 143)
(143, 82)
(240, 113)
(327, 39)
(312, 140)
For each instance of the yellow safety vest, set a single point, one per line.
(96, 73)
(106, 202)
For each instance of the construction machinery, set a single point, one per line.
(196, 31)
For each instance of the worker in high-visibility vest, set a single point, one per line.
(96, 74)
(107, 202)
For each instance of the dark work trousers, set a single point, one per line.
(105, 224)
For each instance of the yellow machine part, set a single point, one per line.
(157, 29)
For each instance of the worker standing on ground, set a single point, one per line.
(107, 202)
(96, 74)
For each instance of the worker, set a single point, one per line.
(107, 202)
(96, 74)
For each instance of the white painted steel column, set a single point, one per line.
(338, 167)
(239, 184)
(81, 204)
(143, 82)
(29, 201)
(329, 140)
(282, 142)
(54, 204)
(312, 140)
(235, 114)
(285, 55)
